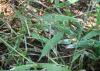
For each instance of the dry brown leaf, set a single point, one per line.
(4, 1)
(6, 9)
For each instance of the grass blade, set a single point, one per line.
(92, 34)
(12, 48)
(39, 37)
(52, 42)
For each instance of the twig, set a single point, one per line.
(42, 4)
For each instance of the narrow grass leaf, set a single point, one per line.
(98, 15)
(12, 48)
(76, 55)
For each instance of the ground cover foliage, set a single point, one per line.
(49, 35)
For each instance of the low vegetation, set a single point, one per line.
(50, 35)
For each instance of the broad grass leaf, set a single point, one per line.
(22, 67)
(54, 67)
(51, 43)
(91, 34)
(85, 43)
(64, 29)
(39, 37)
(88, 43)
(42, 66)
(58, 23)
(55, 17)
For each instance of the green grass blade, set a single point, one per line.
(54, 67)
(51, 43)
(92, 34)
(88, 43)
(76, 55)
(12, 48)
(43, 66)
(22, 67)
(98, 15)
(39, 37)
